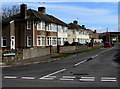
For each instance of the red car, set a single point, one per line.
(107, 44)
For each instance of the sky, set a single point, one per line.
(94, 15)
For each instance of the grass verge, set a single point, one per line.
(83, 51)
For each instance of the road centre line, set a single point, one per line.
(80, 63)
(10, 77)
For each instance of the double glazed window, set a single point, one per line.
(41, 26)
(40, 41)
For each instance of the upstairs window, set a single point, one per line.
(41, 26)
(28, 24)
(4, 42)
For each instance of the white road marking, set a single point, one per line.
(66, 79)
(108, 79)
(44, 78)
(50, 77)
(80, 63)
(28, 77)
(87, 79)
(10, 77)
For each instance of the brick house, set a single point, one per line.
(30, 29)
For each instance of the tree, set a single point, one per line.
(10, 11)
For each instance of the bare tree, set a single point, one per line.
(10, 11)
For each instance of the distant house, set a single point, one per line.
(32, 29)
(95, 36)
(77, 33)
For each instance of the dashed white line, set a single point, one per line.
(50, 77)
(87, 79)
(28, 77)
(10, 77)
(66, 79)
(80, 63)
(108, 79)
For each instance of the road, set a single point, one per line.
(91, 69)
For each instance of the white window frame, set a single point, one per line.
(2, 41)
(41, 40)
(28, 24)
(28, 41)
(42, 24)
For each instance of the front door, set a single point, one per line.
(12, 42)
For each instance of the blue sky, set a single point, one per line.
(94, 15)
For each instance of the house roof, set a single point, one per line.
(36, 16)
(74, 26)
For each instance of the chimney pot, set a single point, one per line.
(42, 10)
(83, 26)
(75, 22)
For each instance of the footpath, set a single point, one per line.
(47, 58)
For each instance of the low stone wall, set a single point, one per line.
(81, 47)
(37, 52)
(67, 49)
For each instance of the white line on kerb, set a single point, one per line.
(27, 77)
(10, 77)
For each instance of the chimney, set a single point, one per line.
(95, 31)
(83, 26)
(42, 10)
(23, 11)
(75, 22)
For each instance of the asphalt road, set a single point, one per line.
(91, 69)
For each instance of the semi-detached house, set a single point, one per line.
(77, 33)
(32, 29)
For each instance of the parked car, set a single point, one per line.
(112, 43)
(75, 43)
(107, 44)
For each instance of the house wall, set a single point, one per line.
(6, 33)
